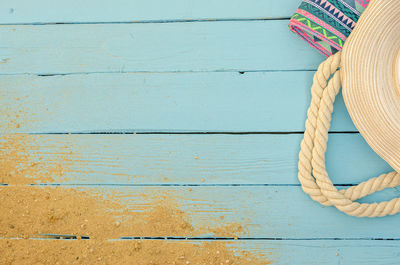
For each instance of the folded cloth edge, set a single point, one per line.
(326, 24)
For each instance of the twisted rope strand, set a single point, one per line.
(312, 173)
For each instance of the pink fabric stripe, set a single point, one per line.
(330, 7)
(313, 32)
(310, 41)
(363, 3)
(322, 23)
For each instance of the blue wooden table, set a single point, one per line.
(212, 94)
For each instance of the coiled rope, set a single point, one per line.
(312, 171)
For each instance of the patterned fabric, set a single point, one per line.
(326, 24)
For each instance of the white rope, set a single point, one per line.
(312, 171)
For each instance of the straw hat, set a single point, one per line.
(370, 73)
(368, 70)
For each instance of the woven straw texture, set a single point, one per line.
(369, 74)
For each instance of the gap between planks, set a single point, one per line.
(172, 238)
(155, 21)
(184, 132)
(241, 72)
(166, 185)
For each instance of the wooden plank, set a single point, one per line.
(219, 46)
(256, 101)
(334, 252)
(46, 11)
(300, 252)
(329, 252)
(279, 213)
(171, 159)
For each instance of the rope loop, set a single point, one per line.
(312, 173)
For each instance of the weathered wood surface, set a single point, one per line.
(153, 47)
(164, 66)
(89, 11)
(166, 102)
(327, 252)
(221, 159)
(300, 252)
(266, 211)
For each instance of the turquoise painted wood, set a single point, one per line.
(221, 159)
(168, 102)
(300, 252)
(47, 11)
(327, 252)
(154, 47)
(189, 66)
(266, 211)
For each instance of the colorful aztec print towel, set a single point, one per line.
(326, 24)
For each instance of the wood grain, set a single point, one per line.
(221, 159)
(299, 252)
(266, 212)
(166, 102)
(125, 66)
(89, 11)
(148, 47)
(328, 252)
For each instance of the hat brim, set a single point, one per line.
(370, 72)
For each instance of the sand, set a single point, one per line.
(28, 214)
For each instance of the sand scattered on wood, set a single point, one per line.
(31, 212)
(146, 252)
(20, 165)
